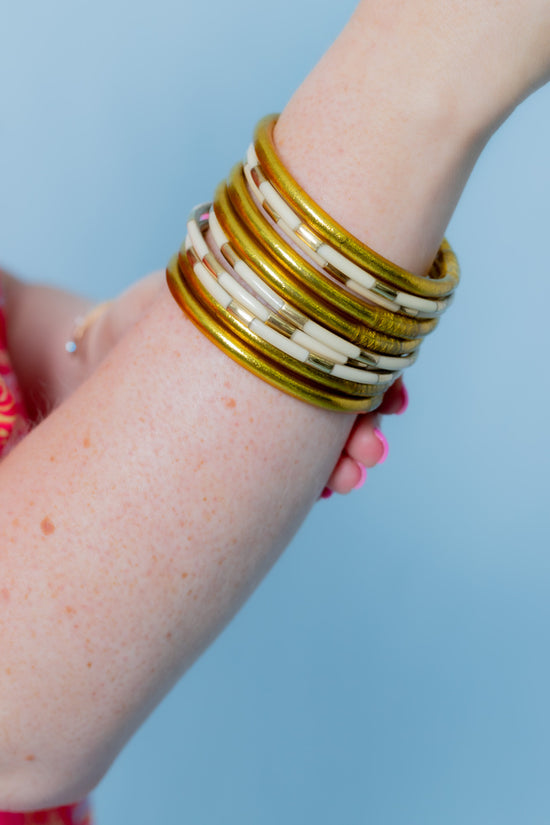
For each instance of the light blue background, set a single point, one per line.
(393, 668)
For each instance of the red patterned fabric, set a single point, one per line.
(14, 425)
(13, 418)
(69, 815)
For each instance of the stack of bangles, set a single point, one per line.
(285, 291)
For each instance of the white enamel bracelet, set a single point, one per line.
(355, 355)
(269, 322)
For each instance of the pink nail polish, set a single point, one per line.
(362, 478)
(405, 403)
(326, 493)
(385, 446)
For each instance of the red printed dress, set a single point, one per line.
(13, 418)
(14, 425)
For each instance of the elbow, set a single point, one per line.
(49, 756)
(36, 787)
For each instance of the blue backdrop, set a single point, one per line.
(393, 668)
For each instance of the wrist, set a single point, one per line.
(484, 57)
(396, 132)
(390, 149)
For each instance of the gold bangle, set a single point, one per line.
(269, 372)
(381, 320)
(329, 259)
(275, 275)
(443, 277)
(305, 306)
(236, 319)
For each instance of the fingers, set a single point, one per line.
(366, 446)
(348, 475)
(366, 443)
(396, 400)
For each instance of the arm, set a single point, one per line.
(42, 318)
(169, 498)
(41, 321)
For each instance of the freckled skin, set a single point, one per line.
(47, 526)
(121, 502)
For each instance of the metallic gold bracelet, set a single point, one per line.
(328, 258)
(246, 308)
(287, 293)
(240, 241)
(340, 300)
(268, 342)
(439, 282)
(250, 290)
(255, 363)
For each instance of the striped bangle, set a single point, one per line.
(334, 294)
(280, 287)
(248, 247)
(180, 274)
(333, 346)
(246, 308)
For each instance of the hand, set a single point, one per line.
(119, 316)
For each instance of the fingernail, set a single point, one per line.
(385, 446)
(326, 493)
(362, 478)
(405, 403)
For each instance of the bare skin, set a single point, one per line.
(41, 319)
(168, 498)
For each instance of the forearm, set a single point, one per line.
(169, 494)
(384, 133)
(166, 502)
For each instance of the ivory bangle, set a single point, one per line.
(237, 350)
(259, 356)
(241, 294)
(300, 271)
(312, 336)
(242, 244)
(295, 316)
(269, 344)
(233, 297)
